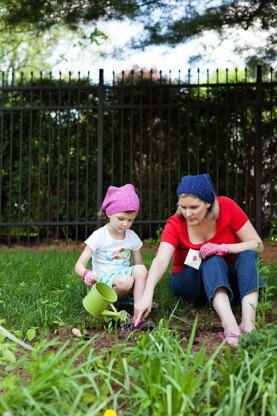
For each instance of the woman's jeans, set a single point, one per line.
(240, 279)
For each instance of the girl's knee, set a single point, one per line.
(123, 283)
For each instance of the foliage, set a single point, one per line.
(273, 231)
(164, 22)
(158, 374)
(154, 131)
(154, 241)
(29, 47)
(257, 340)
(26, 50)
(191, 21)
(48, 13)
(152, 373)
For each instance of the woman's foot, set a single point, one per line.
(231, 333)
(247, 328)
(231, 339)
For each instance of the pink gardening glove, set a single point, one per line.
(210, 249)
(89, 277)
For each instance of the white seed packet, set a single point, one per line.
(193, 259)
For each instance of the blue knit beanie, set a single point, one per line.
(197, 185)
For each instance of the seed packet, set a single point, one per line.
(193, 259)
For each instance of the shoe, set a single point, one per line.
(127, 301)
(117, 305)
(224, 336)
(246, 332)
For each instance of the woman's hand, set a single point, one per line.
(142, 308)
(211, 249)
(159, 266)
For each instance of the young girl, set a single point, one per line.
(111, 246)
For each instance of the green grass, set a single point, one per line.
(153, 374)
(39, 289)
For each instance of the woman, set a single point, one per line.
(228, 246)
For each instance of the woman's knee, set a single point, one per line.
(214, 263)
(252, 255)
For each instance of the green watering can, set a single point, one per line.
(99, 299)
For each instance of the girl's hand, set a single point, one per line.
(89, 277)
(210, 249)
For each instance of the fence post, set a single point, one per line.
(258, 158)
(100, 130)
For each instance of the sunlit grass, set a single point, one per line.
(152, 373)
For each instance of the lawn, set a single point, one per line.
(179, 368)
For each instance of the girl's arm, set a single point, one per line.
(80, 266)
(249, 238)
(137, 256)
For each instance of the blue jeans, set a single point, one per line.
(240, 279)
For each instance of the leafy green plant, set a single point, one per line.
(258, 340)
(273, 231)
(245, 384)
(264, 307)
(159, 374)
(154, 241)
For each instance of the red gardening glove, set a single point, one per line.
(211, 249)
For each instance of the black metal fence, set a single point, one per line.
(64, 141)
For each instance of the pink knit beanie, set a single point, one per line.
(120, 199)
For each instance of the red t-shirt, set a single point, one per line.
(231, 219)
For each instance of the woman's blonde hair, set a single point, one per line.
(213, 208)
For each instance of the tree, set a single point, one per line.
(258, 17)
(166, 22)
(28, 44)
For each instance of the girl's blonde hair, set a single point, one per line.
(213, 209)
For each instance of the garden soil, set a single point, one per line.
(208, 323)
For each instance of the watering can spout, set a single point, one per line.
(122, 315)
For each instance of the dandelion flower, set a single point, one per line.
(109, 412)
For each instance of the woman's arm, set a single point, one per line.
(157, 269)
(249, 238)
(80, 266)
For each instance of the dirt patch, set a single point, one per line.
(207, 333)
(269, 255)
(206, 336)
